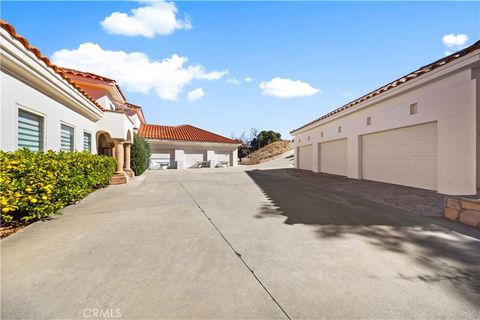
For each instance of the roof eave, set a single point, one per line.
(453, 66)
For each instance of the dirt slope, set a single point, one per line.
(268, 152)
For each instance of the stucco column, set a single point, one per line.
(179, 154)
(315, 157)
(119, 155)
(354, 157)
(234, 158)
(126, 166)
(211, 158)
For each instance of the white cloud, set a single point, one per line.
(286, 88)
(454, 40)
(195, 94)
(248, 79)
(157, 17)
(213, 75)
(233, 81)
(447, 53)
(134, 71)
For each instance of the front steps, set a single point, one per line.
(119, 178)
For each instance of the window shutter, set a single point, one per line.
(87, 142)
(30, 130)
(66, 138)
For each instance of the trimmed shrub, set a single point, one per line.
(139, 155)
(34, 185)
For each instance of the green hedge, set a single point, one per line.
(140, 155)
(34, 185)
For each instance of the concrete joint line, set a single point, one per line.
(235, 251)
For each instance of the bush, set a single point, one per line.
(264, 138)
(34, 185)
(139, 155)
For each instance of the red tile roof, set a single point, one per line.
(400, 81)
(93, 76)
(138, 110)
(13, 33)
(182, 132)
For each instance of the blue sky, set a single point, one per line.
(323, 54)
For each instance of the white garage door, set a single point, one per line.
(191, 158)
(161, 158)
(304, 155)
(222, 156)
(333, 157)
(405, 156)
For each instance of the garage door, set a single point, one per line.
(304, 155)
(191, 158)
(222, 157)
(161, 158)
(405, 156)
(333, 157)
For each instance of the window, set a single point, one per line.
(87, 142)
(321, 134)
(299, 140)
(413, 108)
(308, 138)
(66, 137)
(30, 130)
(339, 129)
(369, 121)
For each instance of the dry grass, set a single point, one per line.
(266, 153)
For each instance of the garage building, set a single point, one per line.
(421, 130)
(186, 146)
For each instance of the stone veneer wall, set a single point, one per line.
(464, 210)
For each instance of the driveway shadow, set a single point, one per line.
(429, 241)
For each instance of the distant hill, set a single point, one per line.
(268, 152)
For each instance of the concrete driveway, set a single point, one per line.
(230, 243)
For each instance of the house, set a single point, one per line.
(47, 107)
(421, 130)
(186, 146)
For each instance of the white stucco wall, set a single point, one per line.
(18, 94)
(180, 152)
(450, 100)
(116, 124)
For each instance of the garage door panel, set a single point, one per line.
(425, 150)
(333, 157)
(406, 156)
(191, 157)
(402, 165)
(425, 181)
(425, 167)
(304, 154)
(402, 151)
(402, 137)
(222, 156)
(425, 131)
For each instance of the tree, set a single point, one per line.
(140, 155)
(266, 137)
(256, 141)
(243, 150)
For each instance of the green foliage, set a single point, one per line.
(264, 138)
(34, 185)
(139, 155)
(243, 151)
